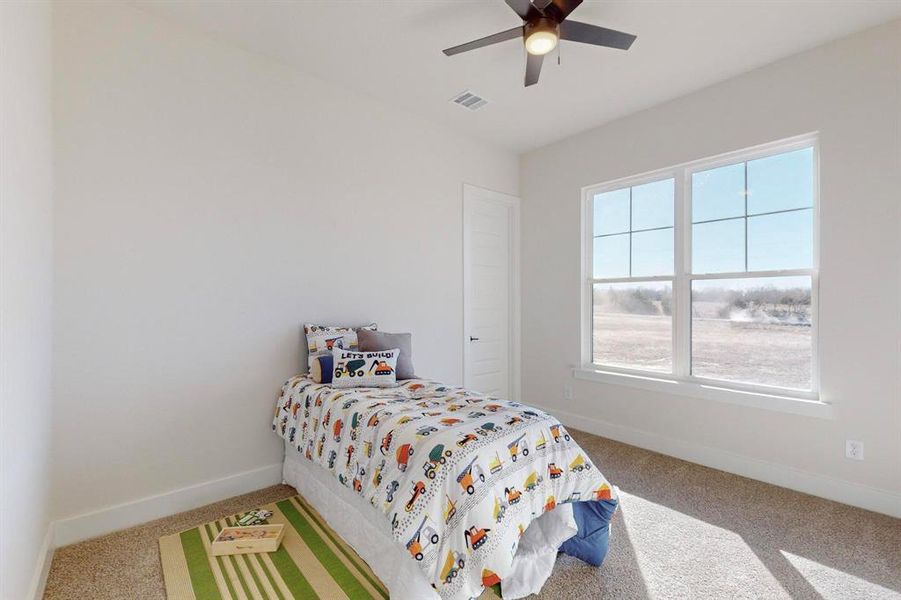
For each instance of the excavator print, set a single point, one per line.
(425, 533)
(380, 367)
(475, 537)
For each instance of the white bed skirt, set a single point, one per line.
(369, 533)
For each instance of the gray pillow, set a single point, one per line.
(373, 341)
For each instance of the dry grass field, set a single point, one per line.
(772, 354)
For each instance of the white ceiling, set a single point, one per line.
(392, 50)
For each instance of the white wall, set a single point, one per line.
(210, 201)
(849, 91)
(25, 291)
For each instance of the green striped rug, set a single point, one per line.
(312, 562)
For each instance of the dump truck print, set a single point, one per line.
(403, 456)
(450, 421)
(354, 426)
(336, 430)
(469, 475)
(452, 564)
(377, 476)
(367, 449)
(518, 445)
(425, 536)
(550, 504)
(437, 457)
(532, 481)
(579, 464)
(475, 537)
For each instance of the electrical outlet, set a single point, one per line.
(567, 392)
(853, 450)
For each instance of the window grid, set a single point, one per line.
(683, 274)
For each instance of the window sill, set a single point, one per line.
(754, 399)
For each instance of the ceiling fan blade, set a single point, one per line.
(560, 9)
(576, 31)
(533, 68)
(525, 9)
(501, 36)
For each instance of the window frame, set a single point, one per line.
(682, 278)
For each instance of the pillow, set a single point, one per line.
(364, 369)
(321, 339)
(321, 369)
(370, 341)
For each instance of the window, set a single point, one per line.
(706, 272)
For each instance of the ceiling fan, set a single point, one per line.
(544, 23)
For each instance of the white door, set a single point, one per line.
(490, 292)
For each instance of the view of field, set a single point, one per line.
(757, 335)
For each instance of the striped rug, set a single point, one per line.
(312, 562)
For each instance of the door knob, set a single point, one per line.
(473, 339)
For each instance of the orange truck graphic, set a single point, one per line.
(403, 456)
(553, 471)
(557, 431)
(424, 533)
(517, 445)
(468, 476)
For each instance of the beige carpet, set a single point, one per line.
(684, 532)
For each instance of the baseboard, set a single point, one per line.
(42, 566)
(121, 516)
(846, 492)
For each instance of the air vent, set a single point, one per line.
(469, 100)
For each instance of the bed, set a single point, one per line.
(444, 491)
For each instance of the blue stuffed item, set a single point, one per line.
(322, 368)
(592, 541)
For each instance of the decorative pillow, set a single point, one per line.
(379, 340)
(321, 369)
(321, 339)
(364, 369)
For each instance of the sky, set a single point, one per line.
(764, 205)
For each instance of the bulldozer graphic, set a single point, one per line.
(495, 465)
(475, 538)
(424, 533)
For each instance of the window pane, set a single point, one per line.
(611, 256)
(718, 193)
(652, 205)
(652, 253)
(611, 212)
(781, 241)
(718, 247)
(754, 330)
(780, 182)
(633, 325)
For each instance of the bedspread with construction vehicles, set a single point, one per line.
(459, 475)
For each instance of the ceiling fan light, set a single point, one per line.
(541, 42)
